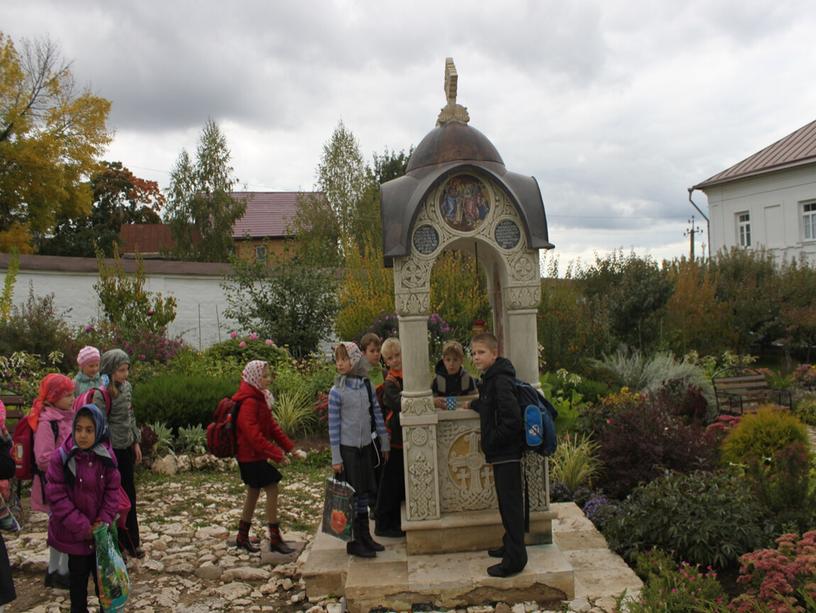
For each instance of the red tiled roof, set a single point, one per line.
(267, 214)
(796, 149)
(145, 238)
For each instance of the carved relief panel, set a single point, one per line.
(465, 479)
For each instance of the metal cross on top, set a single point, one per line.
(451, 80)
(451, 111)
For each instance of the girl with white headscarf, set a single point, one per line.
(260, 440)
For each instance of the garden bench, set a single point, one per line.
(747, 390)
(15, 410)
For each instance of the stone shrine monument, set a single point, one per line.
(457, 194)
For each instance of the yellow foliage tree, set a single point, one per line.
(50, 140)
(695, 318)
(366, 292)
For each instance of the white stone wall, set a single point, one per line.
(200, 300)
(774, 203)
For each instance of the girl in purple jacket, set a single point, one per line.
(82, 488)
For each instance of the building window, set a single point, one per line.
(260, 253)
(744, 229)
(809, 221)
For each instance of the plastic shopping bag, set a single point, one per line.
(114, 583)
(8, 523)
(338, 509)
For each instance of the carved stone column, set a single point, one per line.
(418, 417)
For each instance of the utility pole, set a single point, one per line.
(691, 232)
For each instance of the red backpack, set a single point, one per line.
(22, 450)
(221, 433)
(87, 397)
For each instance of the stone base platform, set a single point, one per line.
(470, 531)
(578, 566)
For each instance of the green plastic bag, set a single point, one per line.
(114, 582)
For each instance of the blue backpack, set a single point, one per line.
(539, 419)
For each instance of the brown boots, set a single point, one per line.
(242, 541)
(276, 542)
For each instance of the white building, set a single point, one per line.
(768, 199)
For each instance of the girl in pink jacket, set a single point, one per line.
(50, 419)
(83, 489)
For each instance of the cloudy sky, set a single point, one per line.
(616, 107)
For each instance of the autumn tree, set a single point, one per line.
(119, 197)
(50, 138)
(200, 208)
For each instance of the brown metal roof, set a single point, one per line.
(267, 214)
(795, 149)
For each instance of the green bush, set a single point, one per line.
(760, 435)
(702, 518)
(805, 410)
(294, 412)
(246, 349)
(179, 401)
(191, 439)
(163, 438)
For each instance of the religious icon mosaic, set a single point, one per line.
(464, 203)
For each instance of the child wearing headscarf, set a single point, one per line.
(351, 406)
(50, 419)
(260, 439)
(124, 437)
(89, 375)
(83, 487)
(7, 592)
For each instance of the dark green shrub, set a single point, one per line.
(179, 401)
(761, 434)
(702, 518)
(782, 485)
(805, 410)
(642, 443)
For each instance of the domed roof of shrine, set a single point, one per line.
(453, 141)
(454, 147)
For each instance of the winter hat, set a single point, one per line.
(87, 355)
(253, 373)
(53, 387)
(113, 359)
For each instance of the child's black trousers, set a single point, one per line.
(509, 492)
(79, 567)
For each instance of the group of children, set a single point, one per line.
(365, 436)
(84, 463)
(86, 458)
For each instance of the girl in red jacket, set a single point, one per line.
(260, 439)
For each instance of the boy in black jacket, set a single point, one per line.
(7, 593)
(502, 443)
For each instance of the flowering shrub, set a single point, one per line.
(669, 587)
(141, 345)
(21, 372)
(385, 326)
(780, 580)
(805, 376)
(594, 419)
(438, 332)
(245, 349)
(599, 510)
(703, 518)
(640, 444)
(685, 400)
